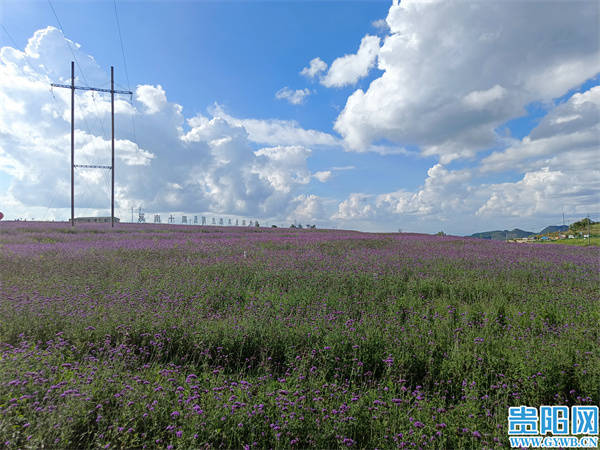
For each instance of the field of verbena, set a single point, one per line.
(171, 336)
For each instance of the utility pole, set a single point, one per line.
(87, 166)
(589, 229)
(72, 143)
(112, 146)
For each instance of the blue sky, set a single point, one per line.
(234, 53)
(457, 117)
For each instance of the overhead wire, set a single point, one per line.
(126, 71)
(131, 101)
(9, 35)
(87, 84)
(53, 192)
(121, 41)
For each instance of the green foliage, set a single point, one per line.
(582, 224)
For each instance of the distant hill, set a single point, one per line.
(501, 235)
(554, 229)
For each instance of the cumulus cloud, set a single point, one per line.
(283, 167)
(381, 25)
(323, 175)
(444, 192)
(356, 206)
(559, 161)
(295, 97)
(542, 192)
(170, 163)
(567, 138)
(278, 132)
(309, 208)
(451, 75)
(557, 166)
(348, 69)
(153, 98)
(315, 68)
(454, 71)
(483, 99)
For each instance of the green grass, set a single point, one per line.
(579, 242)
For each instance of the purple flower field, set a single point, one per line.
(157, 336)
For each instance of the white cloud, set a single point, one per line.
(316, 67)
(209, 165)
(542, 193)
(559, 168)
(283, 167)
(153, 98)
(296, 97)
(454, 71)
(483, 99)
(429, 96)
(559, 161)
(381, 25)
(356, 206)
(567, 138)
(308, 208)
(323, 175)
(278, 132)
(348, 69)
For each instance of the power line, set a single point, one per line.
(122, 47)
(126, 71)
(68, 46)
(79, 67)
(9, 35)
